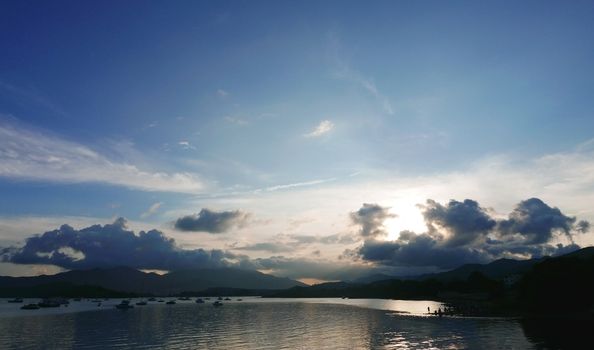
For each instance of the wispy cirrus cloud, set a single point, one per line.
(152, 210)
(32, 154)
(323, 128)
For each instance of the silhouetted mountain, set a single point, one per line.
(125, 279)
(62, 289)
(551, 285)
(373, 278)
(497, 270)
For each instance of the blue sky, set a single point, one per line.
(290, 112)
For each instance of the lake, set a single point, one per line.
(257, 323)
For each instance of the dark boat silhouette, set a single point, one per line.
(217, 303)
(30, 307)
(124, 305)
(49, 303)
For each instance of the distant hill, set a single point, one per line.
(373, 278)
(496, 270)
(466, 278)
(129, 280)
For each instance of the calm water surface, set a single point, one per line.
(255, 323)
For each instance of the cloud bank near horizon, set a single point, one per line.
(458, 232)
(464, 232)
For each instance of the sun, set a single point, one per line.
(408, 217)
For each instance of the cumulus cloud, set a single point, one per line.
(114, 244)
(371, 218)
(465, 222)
(111, 245)
(35, 155)
(463, 232)
(323, 128)
(212, 221)
(536, 222)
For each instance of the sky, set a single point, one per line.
(315, 140)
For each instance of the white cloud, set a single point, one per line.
(29, 154)
(186, 144)
(152, 210)
(323, 128)
(297, 184)
(222, 93)
(236, 121)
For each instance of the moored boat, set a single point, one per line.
(30, 307)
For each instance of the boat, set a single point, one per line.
(170, 302)
(30, 307)
(239, 299)
(124, 305)
(152, 299)
(49, 303)
(141, 303)
(220, 298)
(217, 303)
(184, 298)
(227, 298)
(161, 301)
(16, 300)
(199, 301)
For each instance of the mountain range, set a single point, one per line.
(126, 279)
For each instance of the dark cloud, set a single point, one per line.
(111, 245)
(463, 232)
(465, 222)
(212, 221)
(371, 218)
(420, 250)
(536, 222)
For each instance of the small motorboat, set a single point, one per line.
(30, 307)
(220, 298)
(16, 300)
(161, 301)
(199, 301)
(49, 303)
(124, 305)
(141, 303)
(217, 303)
(239, 299)
(184, 298)
(152, 299)
(227, 298)
(170, 302)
